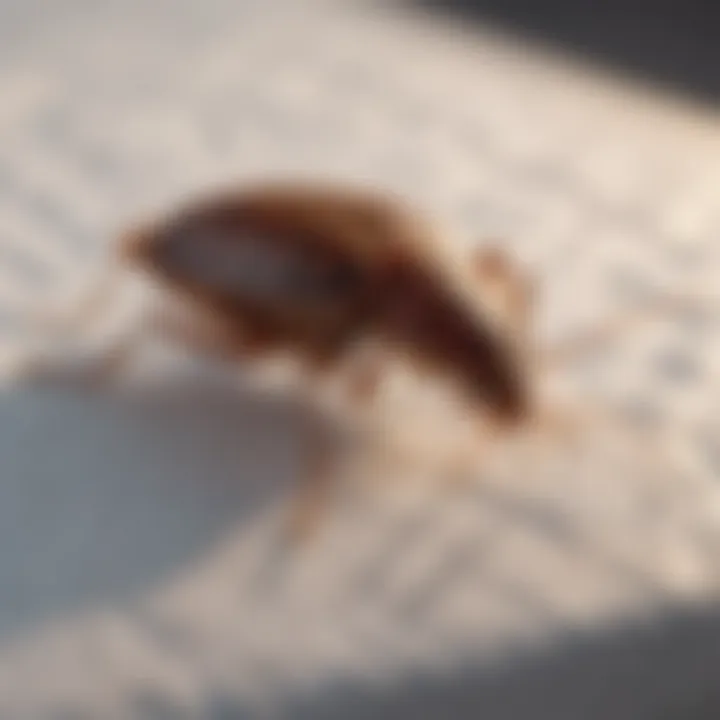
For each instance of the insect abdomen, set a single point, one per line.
(439, 327)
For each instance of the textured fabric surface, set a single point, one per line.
(139, 576)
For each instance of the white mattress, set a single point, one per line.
(139, 573)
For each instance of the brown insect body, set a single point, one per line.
(314, 270)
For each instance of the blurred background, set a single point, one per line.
(139, 572)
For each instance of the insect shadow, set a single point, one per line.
(107, 494)
(320, 273)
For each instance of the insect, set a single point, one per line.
(318, 270)
(321, 272)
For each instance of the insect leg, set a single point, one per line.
(182, 326)
(503, 282)
(319, 473)
(50, 330)
(491, 262)
(582, 343)
(365, 376)
(93, 301)
(585, 342)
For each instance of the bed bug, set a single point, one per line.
(320, 271)
(317, 271)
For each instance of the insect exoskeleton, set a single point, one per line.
(318, 269)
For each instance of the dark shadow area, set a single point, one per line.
(671, 43)
(107, 495)
(104, 495)
(662, 669)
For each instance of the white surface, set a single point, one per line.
(139, 575)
